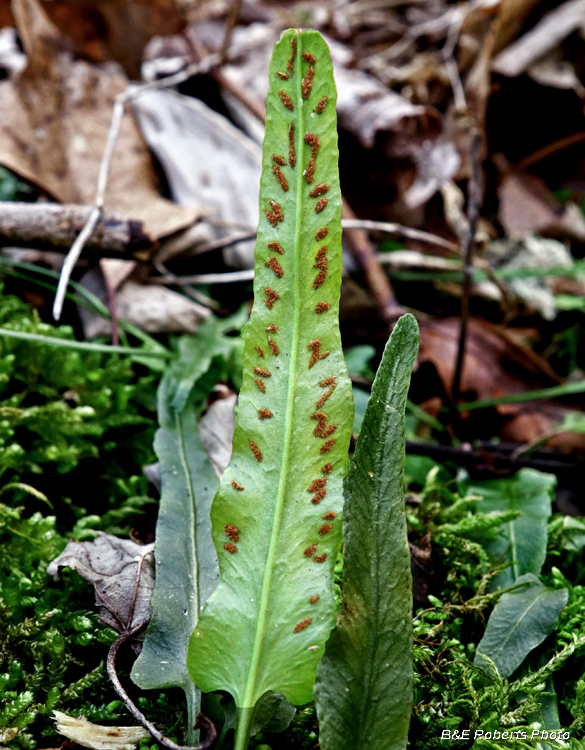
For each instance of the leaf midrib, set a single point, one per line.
(249, 699)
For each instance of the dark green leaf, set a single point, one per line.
(185, 559)
(520, 622)
(522, 542)
(364, 682)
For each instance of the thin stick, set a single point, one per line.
(474, 190)
(206, 278)
(230, 23)
(401, 231)
(202, 721)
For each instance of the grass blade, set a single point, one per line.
(276, 518)
(364, 682)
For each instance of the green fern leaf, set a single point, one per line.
(277, 515)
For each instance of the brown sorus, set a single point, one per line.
(322, 307)
(283, 76)
(320, 205)
(322, 233)
(231, 548)
(271, 297)
(255, 451)
(314, 598)
(303, 624)
(321, 106)
(328, 445)
(320, 558)
(316, 347)
(332, 383)
(318, 496)
(237, 486)
(232, 532)
(320, 430)
(310, 550)
(293, 52)
(308, 82)
(260, 351)
(292, 158)
(265, 414)
(321, 263)
(275, 247)
(286, 100)
(262, 372)
(280, 177)
(271, 328)
(260, 385)
(278, 160)
(277, 210)
(317, 484)
(327, 469)
(329, 516)
(310, 58)
(312, 141)
(273, 347)
(275, 266)
(325, 529)
(319, 190)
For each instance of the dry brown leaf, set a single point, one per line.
(216, 429)
(100, 28)
(96, 736)
(496, 366)
(114, 566)
(207, 161)
(527, 205)
(55, 118)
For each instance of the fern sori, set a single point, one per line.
(277, 515)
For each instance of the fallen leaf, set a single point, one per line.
(99, 28)
(531, 252)
(527, 205)
(496, 365)
(152, 308)
(207, 161)
(122, 573)
(216, 429)
(56, 116)
(97, 736)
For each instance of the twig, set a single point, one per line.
(54, 226)
(230, 23)
(202, 721)
(205, 278)
(401, 231)
(127, 633)
(364, 253)
(472, 215)
(552, 148)
(120, 101)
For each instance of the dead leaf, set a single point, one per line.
(527, 205)
(122, 573)
(207, 161)
(96, 736)
(99, 28)
(152, 308)
(216, 429)
(530, 252)
(56, 116)
(548, 33)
